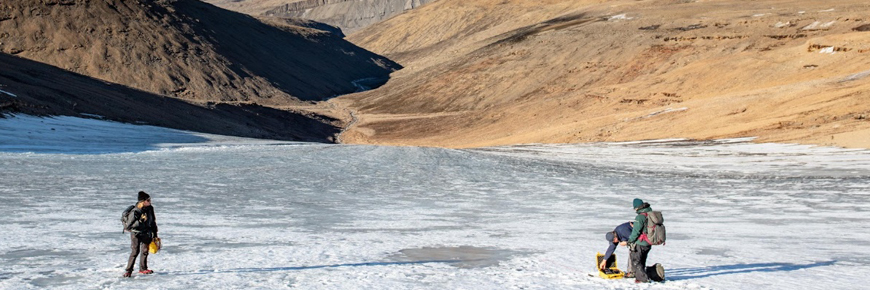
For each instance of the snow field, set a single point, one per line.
(235, 214)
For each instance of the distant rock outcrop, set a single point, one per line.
(349, 15)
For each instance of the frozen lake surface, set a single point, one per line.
(252, 214)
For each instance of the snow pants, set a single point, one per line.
(638, 255)
(139, 246)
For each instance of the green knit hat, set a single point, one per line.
(637, 202)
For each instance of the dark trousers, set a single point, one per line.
(139, 244)
(638, 256)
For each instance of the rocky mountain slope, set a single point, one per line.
(223, 72)
(188, 49)
(493, 72)
(349, 15)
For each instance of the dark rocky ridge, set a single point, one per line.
(42, 90)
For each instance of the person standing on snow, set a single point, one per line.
(619, 236)
(638, 247)
(142, 225)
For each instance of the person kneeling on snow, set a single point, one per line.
(619, 236)
(142, 225)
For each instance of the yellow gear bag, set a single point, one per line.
(155, 246)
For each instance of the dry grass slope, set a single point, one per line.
(482, 72)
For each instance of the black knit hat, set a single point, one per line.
(143, 196)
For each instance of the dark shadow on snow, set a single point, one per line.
(704, 272)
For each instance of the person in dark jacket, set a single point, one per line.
(619, 236)
(142, 225)
(638, 247)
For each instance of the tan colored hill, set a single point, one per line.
(487, 72)
(349, 15)
(251, 7)
(188, 49)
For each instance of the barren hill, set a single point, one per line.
(188, 49)
(492, 72)
(349, 15)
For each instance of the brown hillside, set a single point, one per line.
(251, 7)
(349, 15)
(187, 49)
(486, 72)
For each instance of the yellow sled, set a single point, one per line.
(610, 270)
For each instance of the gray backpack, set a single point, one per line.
(655, 228)
(125, 216)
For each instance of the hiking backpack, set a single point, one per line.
(655, 228)
(125, 216)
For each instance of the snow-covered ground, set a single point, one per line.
(252, 214)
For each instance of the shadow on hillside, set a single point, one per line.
(521, 34)
(703, 272)
(44, 90)
(309, 66)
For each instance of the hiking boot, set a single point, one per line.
(127, 274)
(660, 271)
(146, 272)
(629, 275)
(639, 281)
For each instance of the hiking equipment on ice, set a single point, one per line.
(155, 245)
(656, 272)
(654, 233)
(610, 270)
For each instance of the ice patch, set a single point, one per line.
(8, 93)
(92, 115)
(665, 111)
(73, 135)
(619, 17)
(818, 25)
(857, 76)
(705, 157)
(461, 257)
